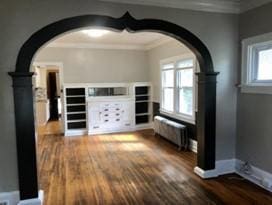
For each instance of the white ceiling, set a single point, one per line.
(142, 38)
(118, 40)
(223, 6)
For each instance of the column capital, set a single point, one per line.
(21, 79)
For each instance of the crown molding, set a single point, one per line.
(110, 46)
(251, 4)
(222, 6)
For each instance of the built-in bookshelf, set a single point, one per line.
(75, 104)
(142, 103)
(97, 108)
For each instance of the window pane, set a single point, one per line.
(168, 78)
(168, 66)
(186, 101)
(185, 63)
(265, 65)
(168, 99)
(185, 78)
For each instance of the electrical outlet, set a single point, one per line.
(4, 202)
(246, 168)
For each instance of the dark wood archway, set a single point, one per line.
(23, 93)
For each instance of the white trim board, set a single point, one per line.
(251, 4)
(13, 198)
(250, 49)
(257, 176)
(222, 6)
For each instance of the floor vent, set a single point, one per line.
(4, 202)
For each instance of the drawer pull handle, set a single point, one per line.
(95, 127)
(106, 110)
(117, 109)
(117, 114)
(128, 124)
(106, 120)
(106, 115)
(117, 119)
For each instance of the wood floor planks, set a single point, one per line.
(130, 168)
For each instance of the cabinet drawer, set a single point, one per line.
(110, 109)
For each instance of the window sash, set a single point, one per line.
(175, 112)
(164, 105)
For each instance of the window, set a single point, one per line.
(177, 87)
(257, 64)
(168, 87)
(264, 66)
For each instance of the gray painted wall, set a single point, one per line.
(98, 65)
(20, 19)
(254, 130)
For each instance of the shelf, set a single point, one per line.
(143, 95)
(142, 90)
(75, 104)
(79, 112)
(75, 91)
(142, 119)
(79, 129)
(76, 125)
(75, 96)
(141, 101)
(79, 120)
(141, 114)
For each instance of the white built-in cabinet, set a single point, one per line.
(107, 108)
(112, 115)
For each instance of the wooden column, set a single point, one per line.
(25, 134)
(206, 120)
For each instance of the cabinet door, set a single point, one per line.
(128, 112)
(94, 117)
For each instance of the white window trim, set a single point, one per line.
(249, 47)
(183, 117)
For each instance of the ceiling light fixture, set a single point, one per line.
(95, 32)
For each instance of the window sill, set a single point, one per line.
(257, 89)
(178, 117)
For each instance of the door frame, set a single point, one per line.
(59, 66)
(23, 92)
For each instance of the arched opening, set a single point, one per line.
(23, 93)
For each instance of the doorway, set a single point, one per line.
(47, 84)
(22, 85)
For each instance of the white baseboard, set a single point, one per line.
(221, 167)
(258, 176)
(226, 166)
(144, 126)
(205, 174)
(71, 133)
(193, 145)
(13, 198)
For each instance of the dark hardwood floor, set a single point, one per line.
(130, 168)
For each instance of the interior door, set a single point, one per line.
(53, 95)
